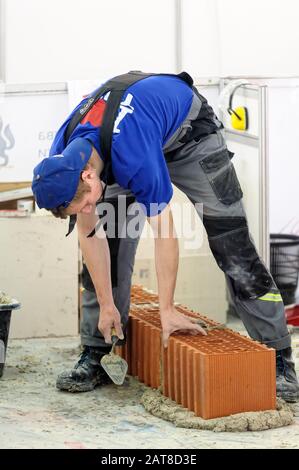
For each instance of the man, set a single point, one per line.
(164, 132)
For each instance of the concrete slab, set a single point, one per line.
(33, 414)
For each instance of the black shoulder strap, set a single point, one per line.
(117, 86)
(186, 78)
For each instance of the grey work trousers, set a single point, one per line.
(204, 172)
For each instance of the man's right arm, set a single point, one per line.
(96, 255)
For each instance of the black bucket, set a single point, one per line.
(284, 264)
(5, 316)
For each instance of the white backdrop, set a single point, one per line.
(59, 40)
(259, 37)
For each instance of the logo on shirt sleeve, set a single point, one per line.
(95, 115)
(125, 108)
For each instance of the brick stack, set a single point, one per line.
(216, 375)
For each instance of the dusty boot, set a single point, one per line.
(87, 373)
(287, 386)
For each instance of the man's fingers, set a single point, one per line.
(191, 325)
(165, 339)
(199, 329)
(107, 337)
(190, 329)
(197, 321)
(192, 319)
(106, 332)
(119, 331)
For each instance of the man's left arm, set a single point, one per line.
(167, 260)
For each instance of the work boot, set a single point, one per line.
(287, 386)
(87, 373)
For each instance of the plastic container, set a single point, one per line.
(292, 315)
(284, 264)
(5, 316)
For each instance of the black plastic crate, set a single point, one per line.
(284, 264)
(5, 316)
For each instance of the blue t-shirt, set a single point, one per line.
(150, 112)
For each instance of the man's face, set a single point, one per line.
(87, 203)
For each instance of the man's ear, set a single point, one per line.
(87, 173)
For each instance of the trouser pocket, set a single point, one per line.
(222, 176)
(236, 255)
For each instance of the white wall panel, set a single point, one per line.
(39, 267)
(28, 123)
(200, 38)
(58, 40)
(258, 37)
(284, 156)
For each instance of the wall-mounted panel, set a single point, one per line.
(56, 40)
(200, 38)
(258, 37)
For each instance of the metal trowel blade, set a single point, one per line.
(115, 367)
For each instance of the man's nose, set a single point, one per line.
(86, 209)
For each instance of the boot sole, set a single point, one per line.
(66, 384)
(75, 387)
(289, 398)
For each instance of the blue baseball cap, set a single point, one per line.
(56, 178)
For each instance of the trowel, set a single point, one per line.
(114, 366)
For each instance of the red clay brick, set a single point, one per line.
(215, 375)
(134, 336)
(140, 296)
(140, 342)
(156, 358)
(183, 363)
(154, 377)
(146, 354)
(178, 375)
(190, 386)
(171, 365)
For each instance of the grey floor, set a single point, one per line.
(33, 414)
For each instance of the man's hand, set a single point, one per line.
(110, 318)
(173, 321)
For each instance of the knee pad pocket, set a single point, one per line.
(222, 176)
(217, 226)
(236, 255)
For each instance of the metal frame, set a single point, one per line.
(264, 173)
(178, 35)
(250, 139)
(34, 89)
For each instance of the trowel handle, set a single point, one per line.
(114, 337)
